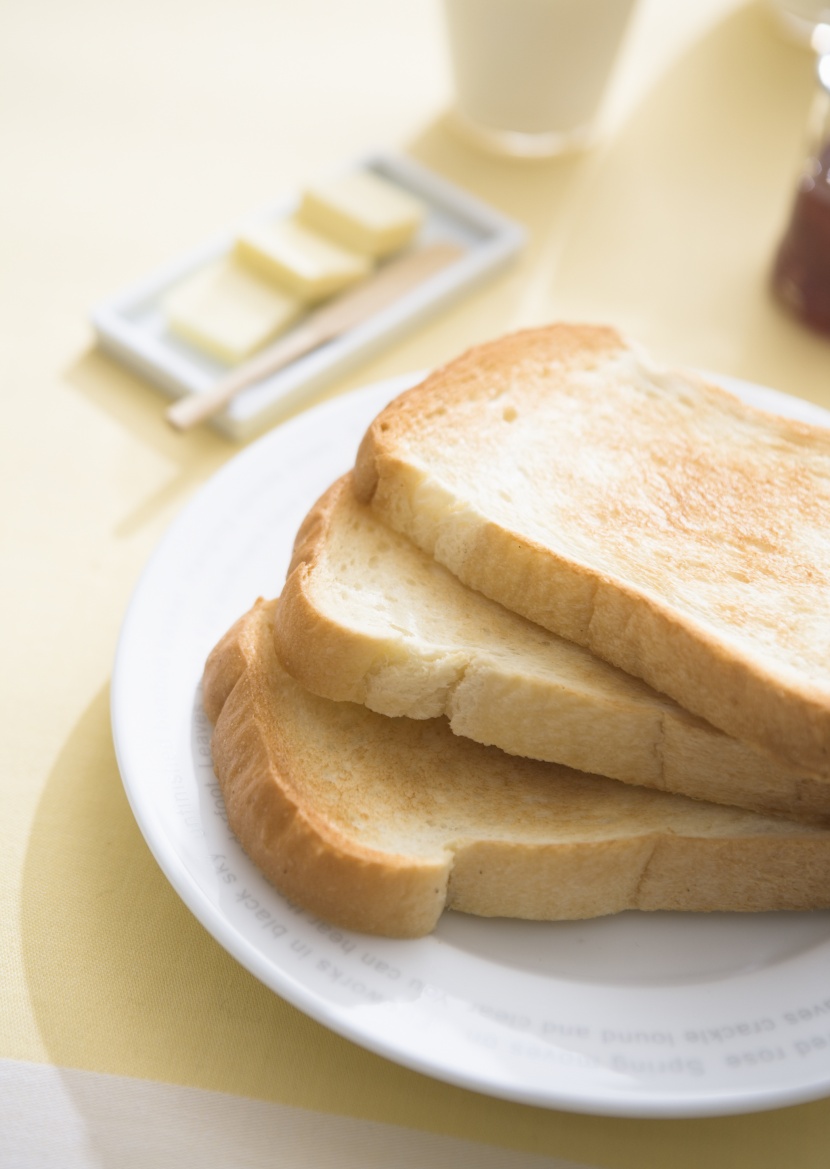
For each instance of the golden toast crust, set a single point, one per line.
(674, 531)
(359, 634)
(302, 853)
(377, 824)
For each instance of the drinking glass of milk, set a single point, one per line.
(530, 74)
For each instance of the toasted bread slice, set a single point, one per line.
(676, 532)
(366, 616)
(379, 824)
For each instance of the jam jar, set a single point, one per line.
(801, 273)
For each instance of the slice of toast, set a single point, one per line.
(379, 824)
(366, 616)
(676, 532)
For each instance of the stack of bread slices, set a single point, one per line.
(559, 646)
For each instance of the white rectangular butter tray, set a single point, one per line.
(131, 325)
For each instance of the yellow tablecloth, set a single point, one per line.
(128, 134)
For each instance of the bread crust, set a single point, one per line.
(521, 838)
(304, 855)
(783, 711)
(633, 735)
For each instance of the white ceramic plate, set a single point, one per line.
(637, 1015)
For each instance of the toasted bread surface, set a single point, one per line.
(378, 824)
(366, 616)
(676, 532)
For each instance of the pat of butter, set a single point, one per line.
(363, 211)
(305, 263)
(229, 312)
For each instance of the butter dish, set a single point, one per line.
(134, 327)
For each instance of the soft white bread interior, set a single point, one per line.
(366, 616)
(676, 532)
(379, 824)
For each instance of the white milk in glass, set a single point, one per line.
(530, 74)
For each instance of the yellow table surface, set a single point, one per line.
(129, 133)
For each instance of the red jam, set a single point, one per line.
(801, 276)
